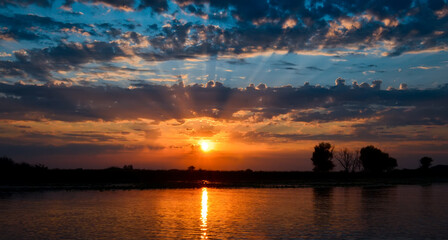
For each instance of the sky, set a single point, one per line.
(99, 83)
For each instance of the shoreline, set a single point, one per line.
(366, 183)
(124, 179)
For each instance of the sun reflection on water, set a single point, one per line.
(204, 210)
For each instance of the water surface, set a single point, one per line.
(401, 212)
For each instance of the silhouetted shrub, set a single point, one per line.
(374, 160)
(322, 156)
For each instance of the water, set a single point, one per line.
(401, 212)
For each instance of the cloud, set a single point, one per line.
(240, 61)
(15, 34)
(33, 27)
(157, 6)
(425, 67)
(339, 81)
(24, 3)
(358, 134)
(313, 68)
(69, 149)
(258, 27)
(284, 63)
(330, 27)
(363, 25)
(40, 62)
(302, 104)
(403, 86)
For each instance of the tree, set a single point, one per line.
(128, 167)
(6, 163)
(357, 164)
(425, 162)
(191, 168)
(322, 156)
(349, 160)
(374, 160)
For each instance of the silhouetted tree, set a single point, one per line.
(128, 167)
(41, 167)
(357, 164)
(391, 164)
(374, 160)
(349, 160)
(322, 156)
(425, 162)
(191, 168)
(6, 163)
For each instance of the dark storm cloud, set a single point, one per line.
(303, 104)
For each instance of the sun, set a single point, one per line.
(206, 146)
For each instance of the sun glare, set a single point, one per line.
(205, 146)
(204, 211)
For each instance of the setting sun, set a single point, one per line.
(205, 146)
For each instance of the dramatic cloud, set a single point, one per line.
(257, 27)
(304, 104)
(32, 27)
(395, 26)
(40, 62)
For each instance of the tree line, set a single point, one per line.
(368, 159)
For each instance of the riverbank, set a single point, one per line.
(122, 179)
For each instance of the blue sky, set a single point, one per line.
(43, 25)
